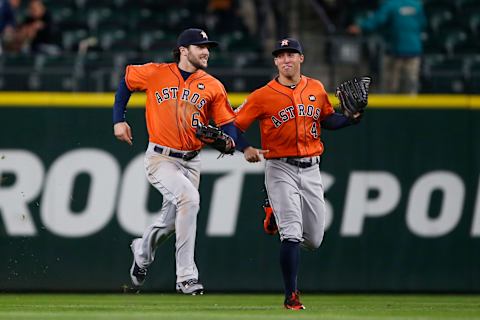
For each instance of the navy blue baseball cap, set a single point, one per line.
(287, 44)
(194, 36)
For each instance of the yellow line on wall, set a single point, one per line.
(105, 100)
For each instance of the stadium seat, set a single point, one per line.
(106, 37)
(454, 38)
(431, 59)
(452, 65)
(469, 46)
(97, 60)
(54, 4)
(53, 80)
(54, 73)
(474, 22)
(439, 5)
(98, 69)
(76, 21)
(474, 79)
(139, 31)
(135, 18)
(137, 58)
(153, 23)
(240, 42)
(158, 41)
(434, 44)
(130, 43)
(71, 38)
(154, 5)
(57, 61)
(219, 59)
(443, 75)
(16, 71)
(61, 11)
(442, 83)
(96, 15)
(153, 56)
(467, 6)
(438, 16)
(92, 4)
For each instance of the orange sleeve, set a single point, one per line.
(222, 112)
(136, 76)
(247, 113)
(326, 108)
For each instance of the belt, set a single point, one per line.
(301, 164)
(189, 155)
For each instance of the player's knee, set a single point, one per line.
(313, 242)
(190, 198)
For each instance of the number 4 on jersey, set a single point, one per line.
(314, 130)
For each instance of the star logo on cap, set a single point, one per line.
(284, 43)
(204, 35)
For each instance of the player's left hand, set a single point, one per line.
(353, 96)
(252, 154)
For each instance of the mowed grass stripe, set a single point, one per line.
(236, 306)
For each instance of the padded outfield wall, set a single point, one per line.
(402, 191)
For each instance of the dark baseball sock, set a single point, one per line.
(289, 262)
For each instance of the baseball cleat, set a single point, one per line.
(137, 274)
(293, 302)
(269, 223)
(191, 287)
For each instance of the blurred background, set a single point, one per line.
(402, 187)
(83, 45)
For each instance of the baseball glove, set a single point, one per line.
(353, 96)
(215, 138)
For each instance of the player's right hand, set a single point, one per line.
(123, 132)
(252, 154)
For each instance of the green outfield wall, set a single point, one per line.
(402, 191)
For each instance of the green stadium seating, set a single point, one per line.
(467, 6)
(16, 70)
(438, 16)
(434, 44)
(441, 74)
(138, 31)
(474, 79)
(470, 46)
(454, 37)
(474, 22)
(71, 38)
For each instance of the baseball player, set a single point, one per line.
(180, 96)
(291, 110)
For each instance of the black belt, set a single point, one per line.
(300, 164)
(181, 155)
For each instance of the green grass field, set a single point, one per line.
(235, 306)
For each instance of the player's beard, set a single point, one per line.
(195, 61)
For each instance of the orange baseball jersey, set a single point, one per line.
(289, 118)
(174, 107)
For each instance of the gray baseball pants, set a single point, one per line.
(177, 180)
(296, 197)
